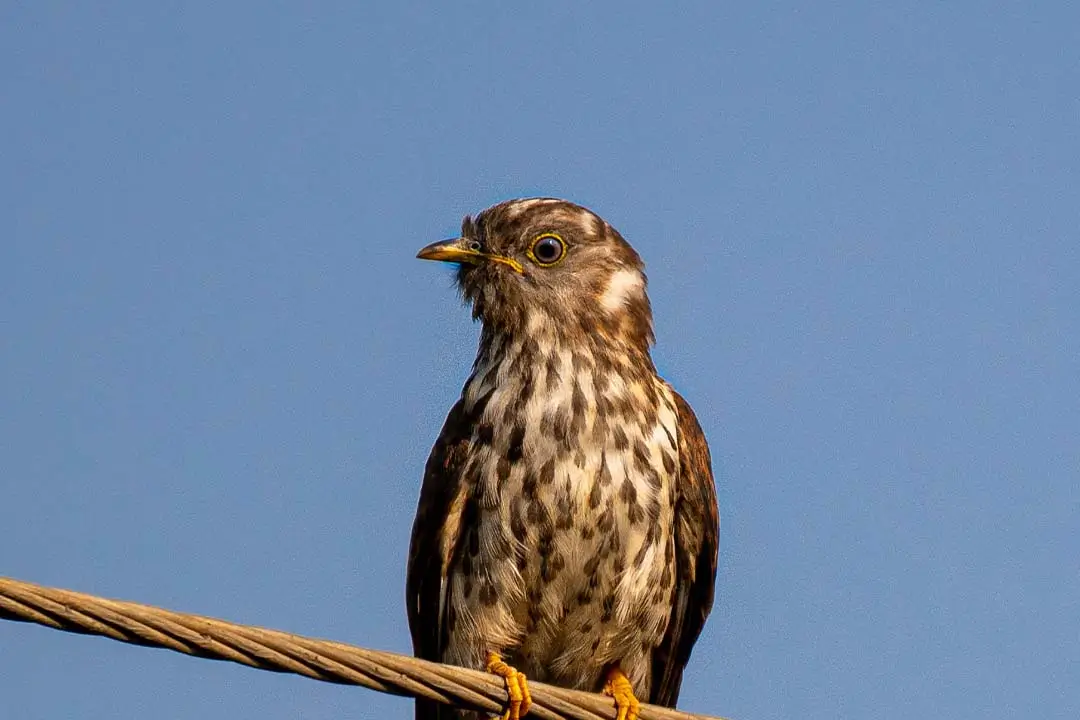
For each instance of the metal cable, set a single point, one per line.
(282, 652)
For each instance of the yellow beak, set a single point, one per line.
(463, 250)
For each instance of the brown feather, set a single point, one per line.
(436, 536)
(697, 532)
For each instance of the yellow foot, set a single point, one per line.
(618, 686)
(517, 690)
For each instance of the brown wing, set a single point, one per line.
(435, 535)
(697, 530)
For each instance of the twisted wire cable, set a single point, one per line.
(278, 651)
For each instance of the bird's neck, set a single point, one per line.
(557, 370)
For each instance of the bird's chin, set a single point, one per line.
(469, 279)
(466, 275)
(473, 277)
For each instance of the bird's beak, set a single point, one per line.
(461, 250)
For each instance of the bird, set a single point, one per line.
(567, 525)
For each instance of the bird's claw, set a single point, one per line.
(619, 688)
(517, 689)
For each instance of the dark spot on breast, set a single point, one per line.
(534, 607)
(528, 484)
(558, 423)
(594, 494)
(585, 323)
(516, 407)
(546, 540)
(565, 521)
(550, 566)
(607, 610)
(579, 459)
(550, 559)
(488, 596)
(527, 387)
(591, 566)
(653, 478)
(605, 363)
(547, 472)
(609, 548)
(577, 427)
(484, 435)
(604, 474)
(639, 558)
(669, 463)
(474, 542)
(517, 524)
(502, 468)
(618, 436)
(641, 456)
(539, 517)
(599, 428)
(606, 521)
(519, 363)
(481, 403)
(581, 363)
(551, 366)
(577, 400)
(587, 531)
(564, 507)
(517, 442)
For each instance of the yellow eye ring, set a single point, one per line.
(547, 249)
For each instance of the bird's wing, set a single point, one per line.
(697, 531)
(444, 497)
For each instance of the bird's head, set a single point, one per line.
(548, 264)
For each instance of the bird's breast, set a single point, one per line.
(570, 552)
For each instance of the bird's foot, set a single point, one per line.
(517, 689)
(618, 687)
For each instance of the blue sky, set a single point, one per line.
(221, 368)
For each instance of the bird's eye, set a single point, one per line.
(548, 249)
